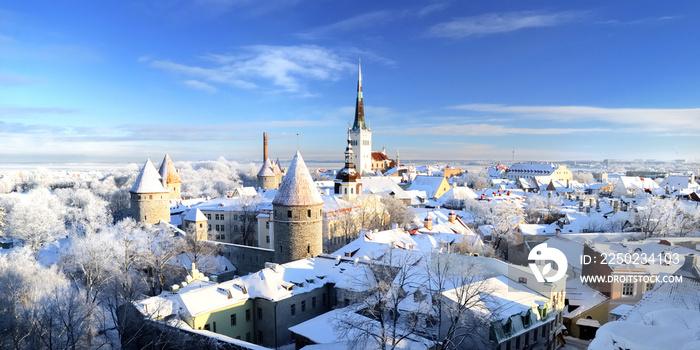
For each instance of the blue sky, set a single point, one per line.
(119, 81)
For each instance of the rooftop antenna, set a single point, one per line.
(513, 161)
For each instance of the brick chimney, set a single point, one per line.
(428, 223)
(451, 217)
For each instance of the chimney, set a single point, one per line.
(428, 223)
(580, 207)
(264, 146)
(616, 206)
(451, 217)
(597, 204)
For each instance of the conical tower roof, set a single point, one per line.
(297, 187)
(167, 171)
(195, 215)
(148, 180)
(359, 123)
(267, 168)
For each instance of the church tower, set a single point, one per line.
(297, 215)
(150, 201)
(171, 177)
(346, 183)
(360, 134)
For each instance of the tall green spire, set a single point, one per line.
(359, 123)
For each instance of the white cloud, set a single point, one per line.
(368, 20)
(484, 130)
(196, 84)
(285, 67)
(649, 119)
(492, 23)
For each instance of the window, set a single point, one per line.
(308, 213)
(214, 326)
(208, 227)
(247, 315)
(650, 286)
(627, 289)
(293, 309)
(222, 228)
(206, 327)
(267, 239)
(208, 216)
(259, 314)
(235, 228)
(303, 305)
(289, 213)
(233, 320)
(267, 225)
(217, 228)
(308, 249)
(313, 302)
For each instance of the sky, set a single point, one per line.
(121, 81)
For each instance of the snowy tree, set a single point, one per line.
(209, 178)
(583, 177)
(38, 307)
(2, 221)
(35, 217)
(456, 290)
(85, 212)
(195, 248)
(398, 212)
(478, 181)
(250, 207)
(386, 282)
(655, 216)
(162, 246)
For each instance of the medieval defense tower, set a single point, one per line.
(297, 215)
(150, 201)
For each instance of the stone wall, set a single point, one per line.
(246, 259)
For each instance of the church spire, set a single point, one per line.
(359, 105)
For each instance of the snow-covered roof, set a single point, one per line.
(580, 297)
(325, 329)
(297, 187)
(679, 183)
(533, 168)
(267, 168)
(195, 215)
(457, 193)
(148, 181)
(667, 317)
(429, 184)
(383, 185)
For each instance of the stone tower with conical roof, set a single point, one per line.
(346, 182)
(150, 201)
(360, 134)
(297, 215)
(170, 177)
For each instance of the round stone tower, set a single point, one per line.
(297, 215)
(150, 201)
(267, 179)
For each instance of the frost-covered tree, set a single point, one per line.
(478, 180)
(250, 207)
(162, 246)
(386, 283)
(35, 217)
(39, 309)
(455, 291)
(655, 216)
(85, 212)
(398, 212)
(209, 178)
